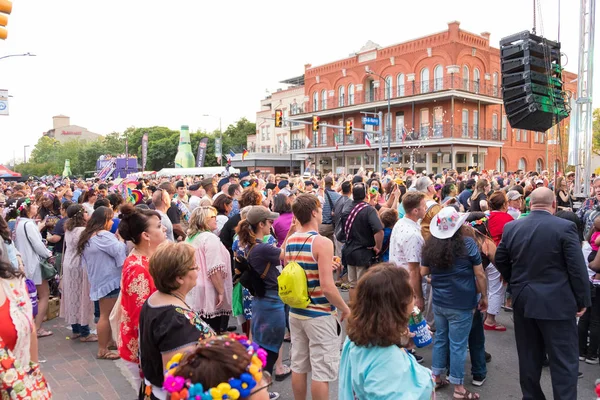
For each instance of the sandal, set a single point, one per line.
(43, 333)
(89, 338)
(281, 377)
(109, 355)
(466, 395)
(442, 383)
(74, 336)
(498, 327)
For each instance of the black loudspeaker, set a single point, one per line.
(532, 87)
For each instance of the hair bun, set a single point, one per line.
(126, 211)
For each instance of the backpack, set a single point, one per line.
(249, 277)
(293, 284)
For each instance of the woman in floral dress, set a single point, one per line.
(144, 229)
(76, 307)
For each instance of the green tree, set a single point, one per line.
(595, 131)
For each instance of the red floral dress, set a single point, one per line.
(136, 286)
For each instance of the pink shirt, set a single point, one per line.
(281, 226)
(593, 241)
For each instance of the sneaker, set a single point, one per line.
(581, 358)
(579, 375)
(592, 360)
(273, 395)
(478, 380)
(596, 282)
(488, 357)
(417, 357)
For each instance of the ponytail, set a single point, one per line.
(245, 232)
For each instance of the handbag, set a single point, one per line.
(20, 382)
(46, 264)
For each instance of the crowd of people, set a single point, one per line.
(164, 275)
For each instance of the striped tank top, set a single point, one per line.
(296, 249)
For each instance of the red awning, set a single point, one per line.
(5, 172)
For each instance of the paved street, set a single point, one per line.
(74, 373)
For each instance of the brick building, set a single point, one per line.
(445, 102)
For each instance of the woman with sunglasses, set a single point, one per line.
(211, 298)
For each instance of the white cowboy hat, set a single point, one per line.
(445, 224)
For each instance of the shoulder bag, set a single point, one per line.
(48, 268)
(20, 382)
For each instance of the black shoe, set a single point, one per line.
(488, 357)
(579, 375)
(478, 380)
(417, 357)
(231, 328)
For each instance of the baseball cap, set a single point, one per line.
(513, 195)
(194, 187)
(410, 172)
(222, 182)
(260, 213)
(283, 183)
(539, 181)
(180, 184)
(306, 183)
(206, 182)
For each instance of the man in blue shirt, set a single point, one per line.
(464, 196)
(330, 196)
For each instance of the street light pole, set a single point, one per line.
(220, 136)
(388, 89)
(25, 153)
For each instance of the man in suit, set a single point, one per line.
(541, 258)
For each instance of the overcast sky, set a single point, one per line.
(113, 64)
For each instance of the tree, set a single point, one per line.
(596, 131)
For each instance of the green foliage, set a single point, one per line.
(48, 155)
(596, 131)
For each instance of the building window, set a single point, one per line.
(525, 134)
(501, 164)
(316, 101)
(465, 123)
(263, 131)
(535, 137)
(476, 78)
(324, 135)
(466, 78)
(438, 76)
(371, 90)
(286, 116)
(323, 99)
(504, 124)
(350, 94)
(523, 164)
(518, 135)
(388, 87)
(542, 137)
(494, 126)
(495, 83)
(475, 124)
(438, 122)
(400, 85)
(539, 165)
(425, 80)
(340, 132)
(341, 90)
(424, 123)
(400, 131)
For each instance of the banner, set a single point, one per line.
(201, 152)
(218, 150)
(3, 102)
(144, 150)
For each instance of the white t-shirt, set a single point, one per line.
(406, 243)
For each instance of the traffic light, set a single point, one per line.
(316, 121)
(278, 118)
(5, 9)
(532, 85)
(348, 128)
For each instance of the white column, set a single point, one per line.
(453, 164)
(469, 159)
(333, 159)
(362, 161)
(428, 162)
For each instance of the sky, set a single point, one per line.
(113, 64)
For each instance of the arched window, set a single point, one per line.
(315, 101)
(438, 76)
(476, 80)
(350, 94)
(495, 83)
(539, 165)
(323, 99)
(425, 80)
(388, 87)
(341, 96)
(400, 85)
(523, 164)
(466, 82)
(501, 164)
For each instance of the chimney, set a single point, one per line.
(486, 35)
(60, 121)
(453, 29)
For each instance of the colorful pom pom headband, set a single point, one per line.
(236, 388)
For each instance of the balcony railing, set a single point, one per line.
(434, 131)
(368, 95)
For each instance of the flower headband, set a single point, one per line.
(448, 222)
(236, 388)
(25, 203)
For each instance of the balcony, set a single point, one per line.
(370, 95)
(431, 133)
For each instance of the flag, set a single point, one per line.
(403, 134)
(367, 140)
(307, 142)
(144, 150)
(244, 154)
(231, 154)
(201, 155)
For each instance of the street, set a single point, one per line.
(74, 373)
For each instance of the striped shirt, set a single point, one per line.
(301, 252)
